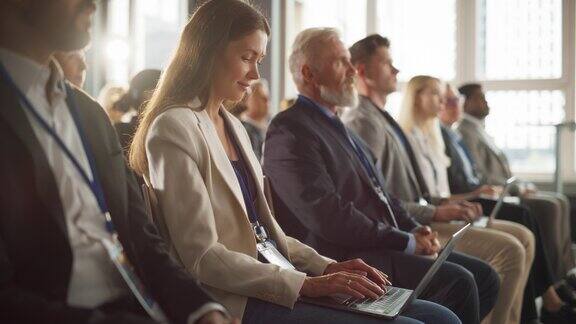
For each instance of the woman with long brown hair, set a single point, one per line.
(198, 159)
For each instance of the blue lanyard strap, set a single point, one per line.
(366, 164)
(94, 185)
(355, 147)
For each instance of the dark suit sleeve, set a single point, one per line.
(406, 222)
(18, 305)
(299, 177)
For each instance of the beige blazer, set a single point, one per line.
(203, 213)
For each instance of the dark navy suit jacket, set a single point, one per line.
(322, 193)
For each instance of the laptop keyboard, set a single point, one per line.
(383, 305)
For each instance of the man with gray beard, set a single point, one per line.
(328, 193)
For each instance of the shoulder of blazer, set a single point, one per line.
(468, 131)
(362, 114)
(297, 115)
(173, 120)
(179, 125)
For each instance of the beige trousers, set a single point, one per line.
(553, 212)
(509, 248)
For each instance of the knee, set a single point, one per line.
(552, 209)
(432, 313)
(547, 206)
(488, 280)
(464, 281)
(515, 257)
(563, 199)
(526, 238)
(529, 241)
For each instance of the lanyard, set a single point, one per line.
(114, 248)
(93, 184)
(259, 230)
(366, 164)
(242, 175)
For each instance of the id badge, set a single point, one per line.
(272, 255)
(118, 257)
(422, 202)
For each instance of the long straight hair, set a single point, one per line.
(189, 74)
(410, 115)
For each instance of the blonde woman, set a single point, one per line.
(418, 118)
(199, 161)
(423, 100)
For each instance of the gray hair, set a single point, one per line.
(305, 49)
(260, 83)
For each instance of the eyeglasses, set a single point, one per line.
(452, 101)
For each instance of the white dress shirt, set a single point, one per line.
(432, 164)
(94, 279)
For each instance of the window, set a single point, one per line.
(521, 51)
(138, 34)
(519, 59)
(422, 35)
(349, 17)
(520, 39)
(117, 42)
(158, 26)
(522, 123)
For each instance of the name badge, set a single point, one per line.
(273, 256)
(422, 202)
(381, 194)
(118, 257)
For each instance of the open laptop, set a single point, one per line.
(485, 221)
(395, 300)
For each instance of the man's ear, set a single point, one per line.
(308, 74)
(360, 69)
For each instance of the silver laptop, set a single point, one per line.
(485, 221)
(396, 299)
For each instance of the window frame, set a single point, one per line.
(97, 76)
(467, 23)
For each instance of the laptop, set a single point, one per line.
(485, 221)
(392, 303)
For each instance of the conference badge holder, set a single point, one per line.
(120, 261)
(268, 250)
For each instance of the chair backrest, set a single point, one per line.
(147, 203)
(154, 213)
(268, 194)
